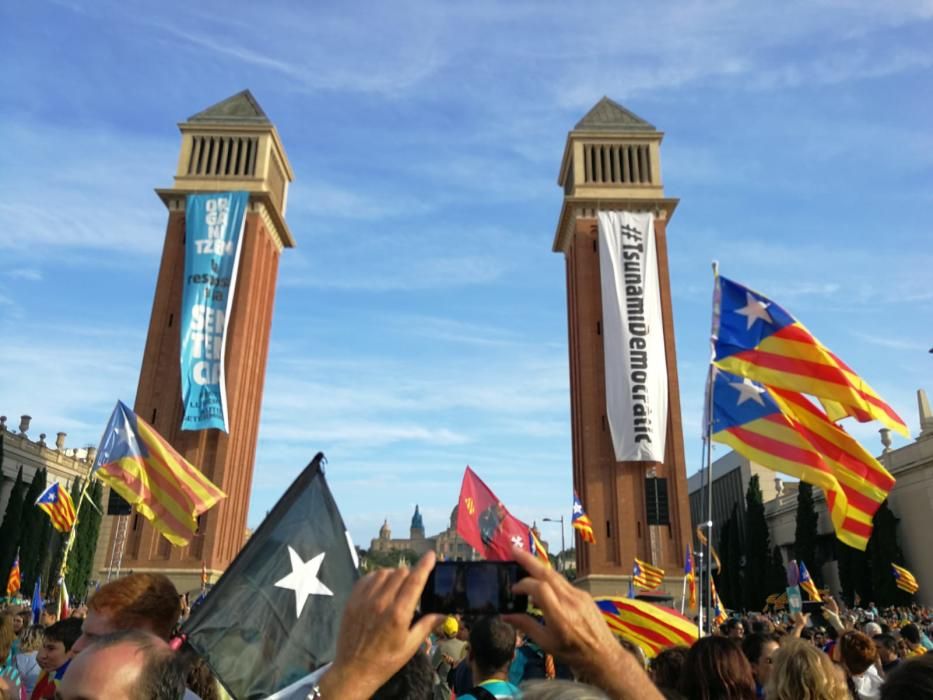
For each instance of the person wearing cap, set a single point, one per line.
(449, 650)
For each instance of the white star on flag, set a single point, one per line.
(753, 310)
(748, 391)
(518, 542)
(304, 579)
(577, 508)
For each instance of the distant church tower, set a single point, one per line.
(230, 146)
(612, 161)
(417, 525)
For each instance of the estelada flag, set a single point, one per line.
(57, 504)
(906, 581)
(163, 487)
(14, 579)
(754, 337)
(485, 523)
(650, 626)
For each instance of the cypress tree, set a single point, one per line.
(777, 575)
(805, 534)
(729, 581)
(757, 548)
(12, 524)
(882, 551)
(81, 559)
(31, 543)
(853, 567)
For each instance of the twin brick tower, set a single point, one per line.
(611, 162)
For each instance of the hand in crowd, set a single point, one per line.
(377, 636)
(576, 633)
(801, 620)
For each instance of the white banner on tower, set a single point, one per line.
(633, 336)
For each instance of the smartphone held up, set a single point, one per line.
(474, 588)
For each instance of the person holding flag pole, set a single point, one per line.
(70, 542)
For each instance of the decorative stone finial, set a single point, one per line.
(24, 424)
(886, 439)
(779, 486)
(2, 422)
(926, 415)
(60, 441)
(91, 455)
(42, 440)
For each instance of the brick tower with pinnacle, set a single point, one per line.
(229, 146)
(612, 161)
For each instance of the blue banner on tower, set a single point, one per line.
(213, 228)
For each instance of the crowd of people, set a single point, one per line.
(118, 646)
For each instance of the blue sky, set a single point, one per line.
(420, 324)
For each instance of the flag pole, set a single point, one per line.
(72, 535)
(683, 596)
(708, 428)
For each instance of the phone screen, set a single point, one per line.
(473, 588)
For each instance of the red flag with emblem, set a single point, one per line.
(485, 523)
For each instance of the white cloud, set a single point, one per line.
(25, 273)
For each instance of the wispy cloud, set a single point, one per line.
(25, 273)
(892, 342)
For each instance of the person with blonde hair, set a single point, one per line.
(803, 672)
(31, 641)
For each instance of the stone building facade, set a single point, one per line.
(62, 464)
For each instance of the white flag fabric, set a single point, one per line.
(633, 336)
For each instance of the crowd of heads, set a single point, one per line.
(118, 647)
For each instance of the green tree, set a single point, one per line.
(81, 557)
(374, 559)
(757, 548)
(31, 543)
(729, 580)
(805, 534)
(853, 567)
(883, 549)
(777, 575)
(12, 524)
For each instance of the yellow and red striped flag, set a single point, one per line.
(537, 548)
(646, 576)
(785, 431)
(164, 487)
(690, 575)
(720, 614)
(905, 580)
(650, 626)
(807, 584)
(13, 581)
(57, 504)
(581, 521)
(756, 338)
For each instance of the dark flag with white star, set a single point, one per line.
(273, 616)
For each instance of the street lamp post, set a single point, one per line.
(563, 548)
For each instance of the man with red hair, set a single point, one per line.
(147, 602)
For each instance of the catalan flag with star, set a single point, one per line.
(786, 432)
(904, 579)
(646, 576)
(807, 584)
(650, 626)
(13, 581)
(163, 487)
(57, 504)
(690, 575)
(720, 614)
(756, 338)
(581, 521)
